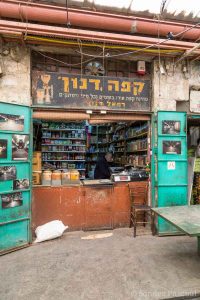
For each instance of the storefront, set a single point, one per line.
(78, 119)
(68, 190)
(48, 174)
(86, 93)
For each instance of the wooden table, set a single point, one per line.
(185, 218)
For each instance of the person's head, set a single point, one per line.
(109, 156)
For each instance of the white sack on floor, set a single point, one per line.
(49, 231)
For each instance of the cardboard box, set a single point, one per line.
(36, 177)
(37, 161)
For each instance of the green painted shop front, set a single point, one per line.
(15, 176)
(169, 164)
(168, 171)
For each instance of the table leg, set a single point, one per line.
(198, 245)
(153, 225)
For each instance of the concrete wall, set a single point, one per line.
(15, 83)
(173, 84)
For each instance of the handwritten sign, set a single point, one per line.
(90, 92)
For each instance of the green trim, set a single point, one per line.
(153, 128)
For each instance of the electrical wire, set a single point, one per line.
(114, 55)
(60, 61)
(142, 49)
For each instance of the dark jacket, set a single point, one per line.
(102, 170)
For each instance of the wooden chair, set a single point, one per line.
(139, 206)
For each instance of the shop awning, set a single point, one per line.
(94, 118)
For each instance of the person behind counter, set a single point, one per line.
(102, 170)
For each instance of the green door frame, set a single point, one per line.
(15, 219)
(160, 181)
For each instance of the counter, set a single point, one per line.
(83, 207)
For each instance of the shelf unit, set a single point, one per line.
(129, 142)
(138, 144)
(98, 146)
(64, 146)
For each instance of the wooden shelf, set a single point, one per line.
(50, 138)
(136, 136)
(117, 141)
(63, 160)
(134, 151)
(66, 129)
(67, 145)
(43, 169)
(62, 145)
(43, 151)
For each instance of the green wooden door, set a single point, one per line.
(169, 164)
(15, 176)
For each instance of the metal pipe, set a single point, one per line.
(27, 11)
(110, 38)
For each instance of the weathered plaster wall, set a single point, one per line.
(169, 85)
(173, 84)
(15, 80)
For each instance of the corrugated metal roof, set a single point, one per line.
(175, 9)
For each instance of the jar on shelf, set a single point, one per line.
(65, 177)
(75, 175)
(56, 178)
(46, 177)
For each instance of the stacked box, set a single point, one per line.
(37, 162)
(37, 168)
(36, 178)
